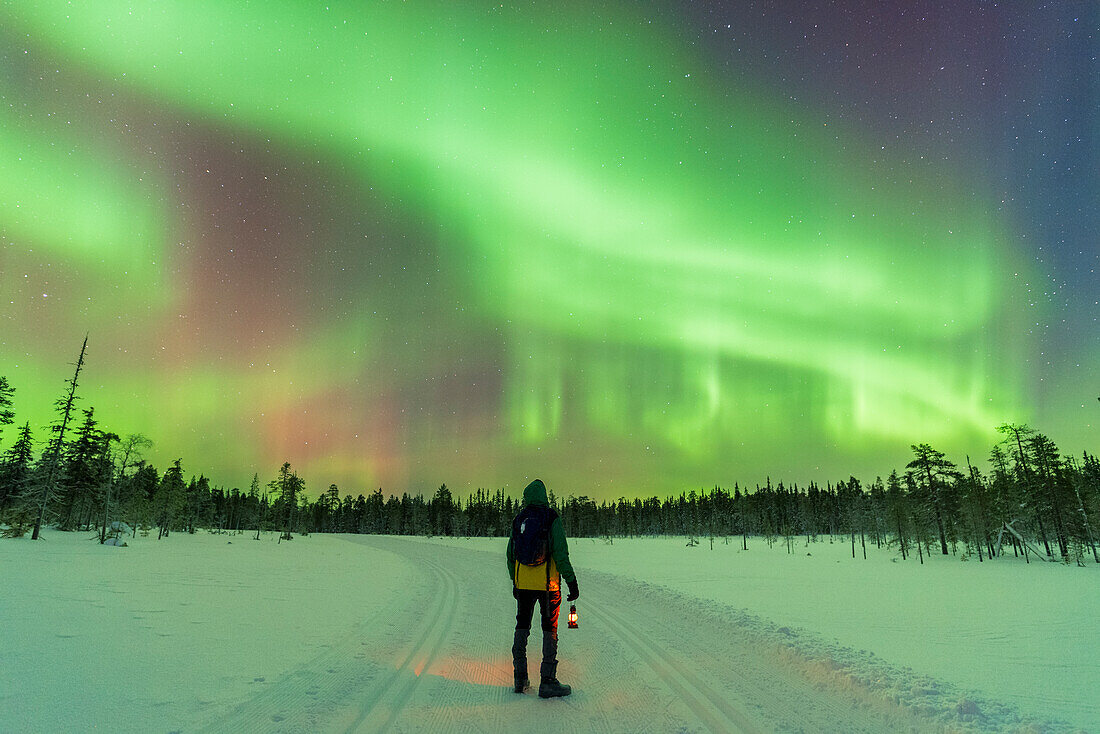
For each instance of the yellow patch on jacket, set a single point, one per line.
(534, 577)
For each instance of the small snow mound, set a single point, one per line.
(117, 542)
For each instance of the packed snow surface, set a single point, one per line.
(349, 633)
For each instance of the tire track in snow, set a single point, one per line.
(473, 692)
(382, 708)
(467, 692)
(778, 694)
(715, 676)
(713, 711)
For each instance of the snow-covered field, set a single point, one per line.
(365, 633)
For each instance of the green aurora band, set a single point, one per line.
(622, 272)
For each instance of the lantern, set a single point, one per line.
(572, 616)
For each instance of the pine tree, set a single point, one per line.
(332, 508)
(1086, 482)
(99, 504)
(81, 472)
(254, 505)
(442, 512)
(934, 470)
(898, 511)
(287, 486)
(168, 502)
(1004, 494)
(852, 497)
(1051, 486)
(197, 506)
(1014, 437)
(15, 468)
(976, 498)
(7, 415)
(374, 510)
(877, 508)
(138, 502)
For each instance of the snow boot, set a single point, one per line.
(519, 660)
(551, 688)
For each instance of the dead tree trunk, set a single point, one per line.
(58, 443)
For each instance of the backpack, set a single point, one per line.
(531, 535)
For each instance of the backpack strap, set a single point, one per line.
(551, 516)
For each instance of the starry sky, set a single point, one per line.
(630, 248)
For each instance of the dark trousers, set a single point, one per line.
(549, 603)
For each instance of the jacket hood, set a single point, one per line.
(535, 494)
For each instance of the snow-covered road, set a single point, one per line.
(437, 659)
(226, 633)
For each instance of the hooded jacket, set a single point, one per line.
(535, 495)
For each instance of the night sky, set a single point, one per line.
(627, 248)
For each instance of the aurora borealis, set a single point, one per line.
(629, 249)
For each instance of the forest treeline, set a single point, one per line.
(1032, 500)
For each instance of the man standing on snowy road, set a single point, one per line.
(538, 557)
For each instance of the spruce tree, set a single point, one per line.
(99, 504)
(81, 472)
(254, 514)
(1014, 437)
